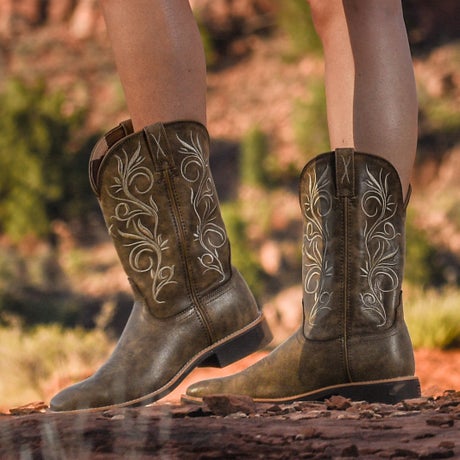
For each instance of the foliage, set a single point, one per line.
(242, 257)
(294, 19)
(254, 152)
(420, 266)
(29, 285)
(453, 214)
(210, 52)
(35, 287)
(440, 113)
(34, 362)
(433, 317)
(37, 172)
(310, 121)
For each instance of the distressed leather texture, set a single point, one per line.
(161, 208)
(352, 255)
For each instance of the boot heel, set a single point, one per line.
(394, 392)
(384, 391)
(240, 346)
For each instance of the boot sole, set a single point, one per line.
(389, 391)
(234, 347)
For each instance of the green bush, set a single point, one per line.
(310, 121)
(242, 256)
(34, 288)
(421, 268)
(37, 172)
(439, 114)
(254, 152)
(210, 52)
(433, 317)
(294, 19)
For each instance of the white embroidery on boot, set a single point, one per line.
(316, 206)
(147, 245)
(345, 175)
(203, 198)
(160, 152)
(381, 245)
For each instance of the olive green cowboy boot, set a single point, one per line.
(191, 307)
(353, 341)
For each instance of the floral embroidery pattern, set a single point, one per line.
(147, 245)
(381, 245)
(316, 206)
(203, 197)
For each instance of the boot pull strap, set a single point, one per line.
(345, 172)
(103, 145)
(159, 147)
(125, 128)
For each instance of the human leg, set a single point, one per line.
(385, 105)
(160, 205)
(370, 85)
(353, 340)
(160, 59)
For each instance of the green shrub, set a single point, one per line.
(242, 256)
(433, 317)
(453, 214)
(37, 173)
(439, 114)
(421, 268)
(254, 152)
(34, 288)
(210, 52)
(310, 121)
(294, 19)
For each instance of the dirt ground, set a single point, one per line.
(422, 428)
(232, 427)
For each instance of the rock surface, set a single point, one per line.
(423, 428)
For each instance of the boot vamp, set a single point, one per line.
(148, 355)
(296, 367)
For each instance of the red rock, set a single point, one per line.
(230, 404)
(338, 403)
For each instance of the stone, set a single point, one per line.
(230, 404)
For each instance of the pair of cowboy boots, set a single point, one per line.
(192, 308)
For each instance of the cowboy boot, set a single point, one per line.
(191, 307)
(353, 341)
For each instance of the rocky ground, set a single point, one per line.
(235, 427)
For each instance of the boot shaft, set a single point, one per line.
(161, 208)
(353, 245)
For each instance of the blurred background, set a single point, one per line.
(63, 295)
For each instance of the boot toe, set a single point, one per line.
(206, 388)
(67, 400)
(80, 396)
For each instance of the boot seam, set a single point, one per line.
(193, 295)
(218, 291)
(138, 297)
(346, 284)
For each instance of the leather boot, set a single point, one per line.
(191, 307)
(353, 341)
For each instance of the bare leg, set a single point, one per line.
(331, 26)
(160, 59)
(370, 86)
